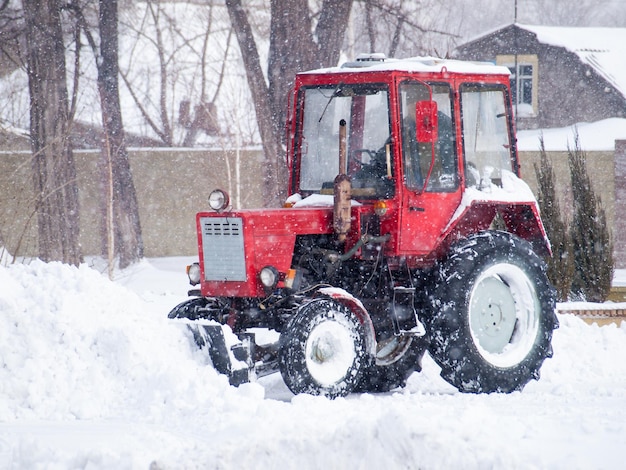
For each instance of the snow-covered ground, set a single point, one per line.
(93, 376)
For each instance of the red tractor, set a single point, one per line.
(407, 229)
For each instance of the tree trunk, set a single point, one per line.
(123, 236)
(53, 162)
(293, 48)
(275, 171)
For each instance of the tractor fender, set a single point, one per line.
(358, 309)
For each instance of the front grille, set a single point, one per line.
(223, 249)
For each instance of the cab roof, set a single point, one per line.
(380, 63)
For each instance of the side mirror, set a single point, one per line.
(426, 121)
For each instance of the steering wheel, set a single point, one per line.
(356, 160)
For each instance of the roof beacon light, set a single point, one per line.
(371, 57)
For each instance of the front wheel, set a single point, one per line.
(322, 350)
(492, 314)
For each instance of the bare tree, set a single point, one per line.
(205, 112)
(401, 28)
(124, 228)
(53, 163)
(173, 44)
(563, 13)
(10, 31)
(120, 228)
(296, 43)
(267, 122)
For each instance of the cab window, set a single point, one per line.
(418, 156)
(486, 140)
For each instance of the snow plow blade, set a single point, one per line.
(233, 358)
(234, 361)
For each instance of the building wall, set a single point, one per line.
(619, 225)
(17, 216)
(600, 167)
(171, 184)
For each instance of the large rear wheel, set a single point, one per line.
(492, 314)
(322, 350)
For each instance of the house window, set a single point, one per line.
(523, 82)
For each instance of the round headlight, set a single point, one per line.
(193, 271)
(269, 277)
(218, 200)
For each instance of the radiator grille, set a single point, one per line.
(222, 245)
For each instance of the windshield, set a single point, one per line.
(365, 110)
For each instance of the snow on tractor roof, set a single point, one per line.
(378, 62)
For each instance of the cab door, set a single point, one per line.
(432, 189)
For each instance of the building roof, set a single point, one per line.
(603, 49)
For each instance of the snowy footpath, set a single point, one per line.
(93, 376)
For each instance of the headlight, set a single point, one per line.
(269, 277)
(218, 200)
(193, 271)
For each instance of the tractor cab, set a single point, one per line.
(411, 136)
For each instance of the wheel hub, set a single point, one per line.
(322, 350)
(491, 318)
(493, 314)
(329, 352)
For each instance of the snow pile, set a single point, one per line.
(92, 375)
(75, 346)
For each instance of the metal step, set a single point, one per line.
(408, 293)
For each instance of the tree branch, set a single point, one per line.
(157, 130)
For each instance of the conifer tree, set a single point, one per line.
(561, 264)
(591, 238)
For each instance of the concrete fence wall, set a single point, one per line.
(607, 172)
(173, 184)
(619, 222)
(601, 170)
